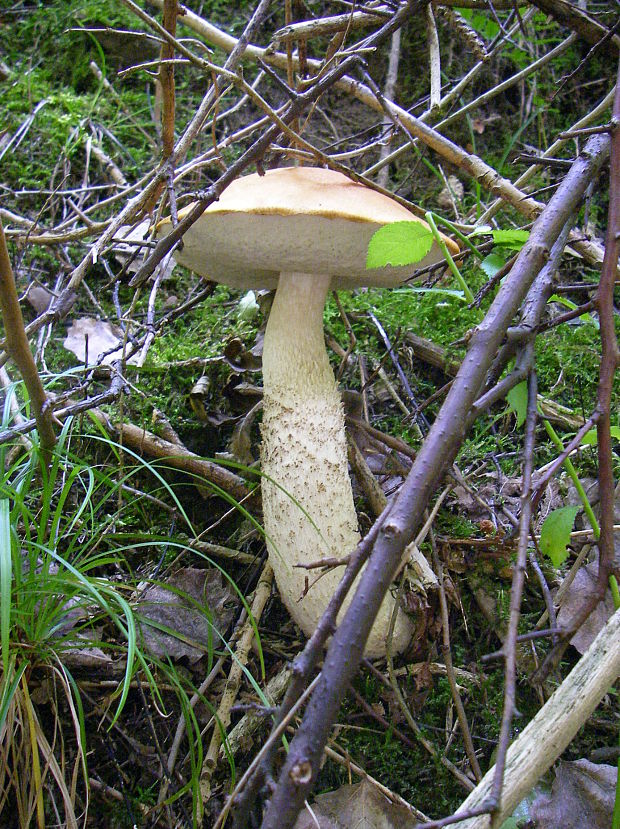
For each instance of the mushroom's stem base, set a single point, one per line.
(307, 498)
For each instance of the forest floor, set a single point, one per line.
(144, 645)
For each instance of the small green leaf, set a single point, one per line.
(492, 264)
(555, 533)
(590, 438)
(440, 291)
(567, 303)
(514, 239)
(517, 400)
(399, 243)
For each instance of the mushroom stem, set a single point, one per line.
(308, 504)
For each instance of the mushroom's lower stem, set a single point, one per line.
(307, 498)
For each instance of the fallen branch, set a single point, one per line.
(178, 457)
(242, 651)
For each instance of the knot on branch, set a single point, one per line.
(301, 773)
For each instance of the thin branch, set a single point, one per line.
(610, 354)
(516, 592)
(434, 59)
(388, 92)
(166, 79)
(447, 658)
(18, 347)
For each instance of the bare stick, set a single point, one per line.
(179, 457)
(18, 347)
(610, 354)
(388, 92)
(447, 658)
(518, 580)
(166, 79)
(262, 593)
(610, 358)
(434, 58)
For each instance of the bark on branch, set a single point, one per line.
(18, 348)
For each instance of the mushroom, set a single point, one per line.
(302, 231)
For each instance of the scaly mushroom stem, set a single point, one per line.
(308, 511)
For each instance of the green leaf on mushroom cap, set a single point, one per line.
(399, 243)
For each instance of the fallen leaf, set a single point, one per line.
(241, 358)
(187, 614)
(582, 796)
(104, 341)
(39, 298)
(199, 396)
(454, 191)
(578, 593)
(241, 440)
(422, 677)
(360, 806)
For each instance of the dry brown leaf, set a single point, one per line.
(104, 341)
(361, 806)
(173, 606)
(582, 587)
(241, 358)
(39, 297)
(582, 796)
(241, 441)
(454, 191)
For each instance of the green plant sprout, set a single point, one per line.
(430, 218)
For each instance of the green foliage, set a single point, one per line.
(492, 263)
(399, 243)
(517, 400)
(555, 534)
(62, 54)
(567, 360)
(591, 437)
(514, 239)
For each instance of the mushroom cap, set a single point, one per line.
(294, 219)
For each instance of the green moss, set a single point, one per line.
(407, 770)
(567, 361)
